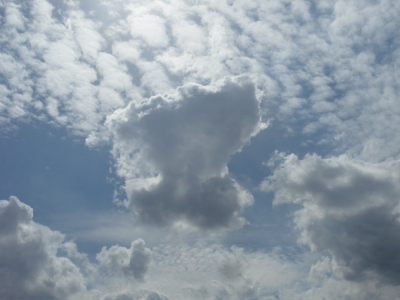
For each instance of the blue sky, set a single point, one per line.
(179, 149)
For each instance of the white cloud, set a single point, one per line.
(58, 64)
(330, 64)
(173, 151)
(150, 28)
(132, 262)
(197, 271)
(13, 16)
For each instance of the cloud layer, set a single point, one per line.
(147, 77)
(325, 67)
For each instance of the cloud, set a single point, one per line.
(350, 208)
(132, 262)
(29, 265)
(326, 70)
(128, 295)
(173, 151)
(32, 268)
(183, 271)
(231, 270)
(324, 280)
(37, 263)
(55, 69)
(199, 271)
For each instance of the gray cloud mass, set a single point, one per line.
(29, 266)
(350, 208)
(173, 151)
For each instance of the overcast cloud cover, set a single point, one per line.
(240, 149)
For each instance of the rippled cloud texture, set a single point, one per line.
(253, 148)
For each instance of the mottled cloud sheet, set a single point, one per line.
(180, 94)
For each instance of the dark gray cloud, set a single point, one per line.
(132, 262)
(231, 270)
(173, 151)
(368, 241)
(29, 266)
(349, 208)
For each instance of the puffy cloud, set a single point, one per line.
(37, 263)
(29, 265)
(326, 67)
(173, 151)
(132, 262)
(55, 69)
(350, 208)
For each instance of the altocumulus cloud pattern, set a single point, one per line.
(199, 149)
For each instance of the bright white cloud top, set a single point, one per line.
(254, 149)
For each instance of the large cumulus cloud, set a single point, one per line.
(29, 265)
(173, 151)
(350, 208)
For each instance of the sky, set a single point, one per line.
(199, 149)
